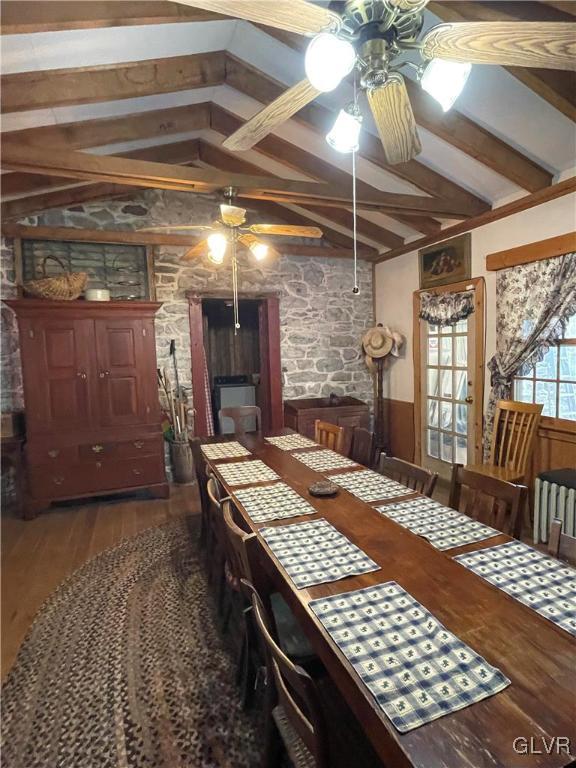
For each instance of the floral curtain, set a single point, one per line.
(533, 305)
(446, 308)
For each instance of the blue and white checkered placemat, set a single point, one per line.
(272, 502)
(315, 552)
(229, 450)
(443, 527)
(291, 442)
(416, 670)
(370, 486)
(324, 460)
(540, 582)
(246, 472)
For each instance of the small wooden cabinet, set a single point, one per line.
(92, 411)
(349, 412)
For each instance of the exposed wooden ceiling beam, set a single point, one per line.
(528, 201)
(285, 153)
(264, 89)
(556, 87)
(114, 130)
(64, 198)
(459, 131)
(86, 85)
(179, 152)
(162, 176)
(216, 157)
(19, 17)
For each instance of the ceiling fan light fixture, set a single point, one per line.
(217, 244)
(445, 80)
(345, 134)
(328, 60)
(259, 250)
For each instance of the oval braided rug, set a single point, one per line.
(124, 668)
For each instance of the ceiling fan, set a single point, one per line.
(373, 37)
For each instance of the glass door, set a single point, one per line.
(447, 395)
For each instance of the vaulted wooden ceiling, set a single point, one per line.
(160, 82)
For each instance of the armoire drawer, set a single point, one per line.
(127, 449)
(91, 477)
(51, 455)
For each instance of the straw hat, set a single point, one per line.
(376, 342)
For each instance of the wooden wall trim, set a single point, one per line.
(97, 235)
(525, 254)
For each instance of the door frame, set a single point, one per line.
(270, 359)
(478, 284)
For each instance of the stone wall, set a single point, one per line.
(321, 320)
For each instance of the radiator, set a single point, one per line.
(552, 500)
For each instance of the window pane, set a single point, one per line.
(447, 447)
(460, 385)
(433, 381)
(461, 326)
(446, 415)
(567, 409)
(546, 394)
(433, 443)
(445, 329)
(461, 425)
(524, 391)
(568, 362)
(548, 367)
(461, 351)
(433, 407)
(432, 328)
(433, 351)
(571, 328)
(446, 351)
(445, 383)
(461, 450)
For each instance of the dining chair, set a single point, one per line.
(329, 435)
(561, 545)
(363, 449)
(489, 500)
(216, 545)
(240, 415)
(417, 478)
(202, 480)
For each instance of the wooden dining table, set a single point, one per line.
(530, 723)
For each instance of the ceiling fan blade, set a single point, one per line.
(277, 112)
(250, 242)
(197, 250)
(550, 45)
(285, 230)
(292, 15)
(232, 215)
(395, 121)
(196, 227)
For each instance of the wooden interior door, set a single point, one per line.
(58, 373)
(122, 372)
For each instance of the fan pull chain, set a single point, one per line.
(356, 289)
(235, 289)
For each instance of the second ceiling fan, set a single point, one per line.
(374, 37)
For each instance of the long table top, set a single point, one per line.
(516, 727)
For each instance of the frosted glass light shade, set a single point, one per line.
(217, 244)
(444, 80)
(345, 134)
(328, 60)
(259, 250)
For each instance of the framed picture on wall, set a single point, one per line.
(444, 263)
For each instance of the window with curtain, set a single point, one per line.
(552, 381)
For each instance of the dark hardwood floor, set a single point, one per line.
(37, 555)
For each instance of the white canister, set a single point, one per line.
(97, 294)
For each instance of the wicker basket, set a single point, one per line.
(66, 287)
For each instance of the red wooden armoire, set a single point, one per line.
(91, 401)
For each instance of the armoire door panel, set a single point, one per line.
(58, 373)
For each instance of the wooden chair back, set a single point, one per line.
(237, 547)
(515, 427)
(561, 545)
(419, 479)
(489, 500)
(362, 451)
(240, 414)
(329, 435)
(201, 476)
(295, 689)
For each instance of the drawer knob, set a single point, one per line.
(97, 448)
(58, 480)
(53, 453)
(98, 465)
(138, 444)
(137, 471)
